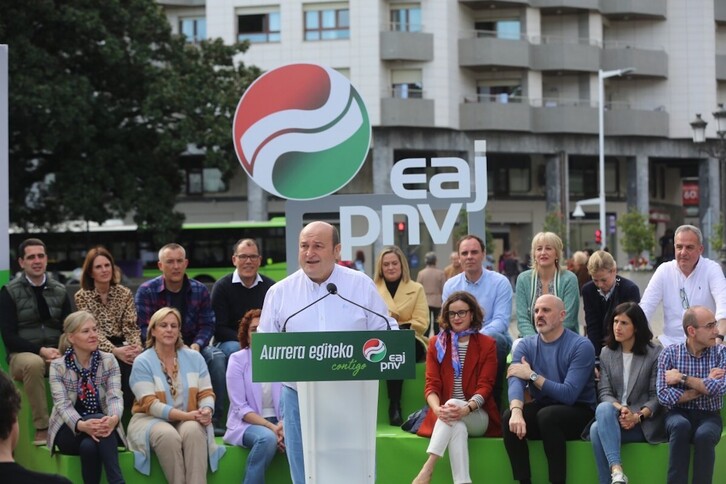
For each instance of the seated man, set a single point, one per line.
(9, 430)
(33, 307)
(558, 367)
(691, 383)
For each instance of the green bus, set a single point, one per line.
(208, 247)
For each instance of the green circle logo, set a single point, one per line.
(301, 131)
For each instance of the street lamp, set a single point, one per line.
(601, 76)
(715, 150)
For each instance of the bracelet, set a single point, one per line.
(521, 409)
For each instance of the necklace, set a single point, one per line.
(170, 379)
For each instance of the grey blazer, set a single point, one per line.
(641, 386)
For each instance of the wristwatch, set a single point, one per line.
(640, 415)
(533, 376)
(684, 377)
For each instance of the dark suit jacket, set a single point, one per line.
(641, 387)
(478, 375)
(599, 312)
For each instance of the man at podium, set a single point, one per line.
(307, 301)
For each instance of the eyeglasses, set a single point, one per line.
(708, 326)
(460, 314)
(684, 299)
(246, 257)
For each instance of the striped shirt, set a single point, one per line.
(678, 356)
(458, 392)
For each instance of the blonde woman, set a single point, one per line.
(546, 277)
(174, 405)
(406, 302)
(87, 403)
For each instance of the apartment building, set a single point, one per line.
(523, 75)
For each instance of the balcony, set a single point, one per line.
(410, 109)
(406, 46)
(484, 50)
(623, 120)
(633, 9)
(719, 7)
(488, 4)
(557, 54)
(720, 67)
(563, 6)
(564, 116)
(495, 113)
(648, 62)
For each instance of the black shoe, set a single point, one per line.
(394, 416)
(219, 431)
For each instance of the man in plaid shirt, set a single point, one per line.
(174, 289)
(691, 383)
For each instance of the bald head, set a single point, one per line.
(549, 316)
(319, 249)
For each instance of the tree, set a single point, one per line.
(555, 222)
(103, 102)
(637, 233)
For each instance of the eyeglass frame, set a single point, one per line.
(460, 313)
(710, 325)
(248, 257)
(684, 299)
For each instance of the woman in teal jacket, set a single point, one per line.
(546, 277)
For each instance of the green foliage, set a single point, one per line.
(717, 235)
(103, 101)
(637, 233)
(555, 222)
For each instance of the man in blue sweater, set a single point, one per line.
(557, 367)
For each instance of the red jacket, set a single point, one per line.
(478, 375)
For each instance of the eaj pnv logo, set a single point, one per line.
(374, 350)
(301, 131)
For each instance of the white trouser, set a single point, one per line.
(454, 436)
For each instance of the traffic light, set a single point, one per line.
(598, 236)
(401, 227)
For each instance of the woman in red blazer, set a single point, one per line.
(459, 387)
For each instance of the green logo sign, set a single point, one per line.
(333, 356)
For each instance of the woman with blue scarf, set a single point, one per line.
(461, 366)
(87, 401)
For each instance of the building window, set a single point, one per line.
(193, 28)
(501, 29)
(198, 180)
(406, 83)
(328, 24)
(499, 91)
(406, 18)
(258, 28)
(583, 173)
(508, 175)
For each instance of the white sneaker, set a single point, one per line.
(618, 478)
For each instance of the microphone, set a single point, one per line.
(284, 325)
(333, 289)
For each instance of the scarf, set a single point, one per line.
(441, 348)
(87, 388)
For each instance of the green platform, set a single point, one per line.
(399, 455)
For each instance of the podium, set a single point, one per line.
(337, 376)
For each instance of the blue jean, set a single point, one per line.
(262, 443)
(701, 427)
(228, 347)
(94, 455)
(217, 366)
(504, 345)
(606, 435)
(293, 434)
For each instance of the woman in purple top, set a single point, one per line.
(253, 420)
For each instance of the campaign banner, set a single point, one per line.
(333, 356)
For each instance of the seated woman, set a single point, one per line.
(113, 307)
(461, 366)
(253, 420)
(406, 302)
(174, 404)
(87, 404)
(629, 409)
(546, 277)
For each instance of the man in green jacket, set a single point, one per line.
(33, 308)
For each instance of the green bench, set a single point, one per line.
(399, 454)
